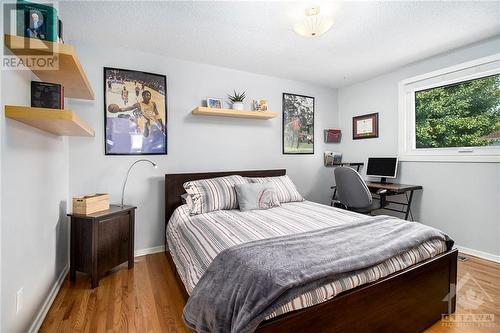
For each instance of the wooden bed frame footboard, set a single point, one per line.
(407, 301)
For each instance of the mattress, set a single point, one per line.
(194, 241)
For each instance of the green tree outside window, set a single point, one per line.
(465, 114)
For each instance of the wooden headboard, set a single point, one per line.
(174, 182)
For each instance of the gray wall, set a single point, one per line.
(463, 199)
(195, 143)
(34, 238)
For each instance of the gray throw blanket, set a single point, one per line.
(245, 283)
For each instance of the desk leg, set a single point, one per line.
(333, 196)
(382, 198)
(408, 208)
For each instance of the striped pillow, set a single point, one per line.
(213, 194)
(285, 188)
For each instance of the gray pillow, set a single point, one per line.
(256, 196)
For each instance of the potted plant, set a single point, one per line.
(237, 100)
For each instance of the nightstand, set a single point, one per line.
(102, 241)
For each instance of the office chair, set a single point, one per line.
(353, 192)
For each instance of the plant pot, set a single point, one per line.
(237, 106)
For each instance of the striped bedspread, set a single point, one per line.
(194, 241)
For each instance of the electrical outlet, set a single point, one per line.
(19, 300)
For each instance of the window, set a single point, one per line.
(452, 114)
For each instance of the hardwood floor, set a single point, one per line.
(147, 299)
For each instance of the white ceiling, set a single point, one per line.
(367, 38)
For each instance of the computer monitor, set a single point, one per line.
(384, 167)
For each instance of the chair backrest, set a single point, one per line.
(351, 188)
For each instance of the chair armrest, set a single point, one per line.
(381, 191)
(333, 187)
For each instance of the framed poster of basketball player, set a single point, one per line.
(135, 107)
(298, 124)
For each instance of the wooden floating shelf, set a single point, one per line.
(59, 122)
(70, 72)
(203, 111)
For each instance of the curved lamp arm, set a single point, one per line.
(128, 172)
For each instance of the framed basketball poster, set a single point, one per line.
(135, 112)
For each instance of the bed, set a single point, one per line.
(409, 295)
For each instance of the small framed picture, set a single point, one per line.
(214, 103)
(260, 105)
(365, 126)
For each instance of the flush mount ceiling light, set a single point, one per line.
(313, 24)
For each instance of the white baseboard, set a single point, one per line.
(480, 254)
(150, 250)
(37, 323)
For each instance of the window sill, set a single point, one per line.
(450, 158)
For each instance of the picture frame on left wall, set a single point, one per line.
(298, 124)
(135, 112)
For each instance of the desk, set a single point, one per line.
(395, 189)
(358, 165)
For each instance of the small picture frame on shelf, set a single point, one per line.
(214, 103)
(47, 95)
(365, 126)
(260, 105)
(36, 20)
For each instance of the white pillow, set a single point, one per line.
(285, 188)
(256, 196)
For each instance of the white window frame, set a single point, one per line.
(407, 141)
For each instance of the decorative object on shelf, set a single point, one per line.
(331, 158)
(237, 100)
(128, 172)
(332, 135)
(328, 158)
(60, 38)
(313, 24)
(214, 103)
(298, 124)
(135, 112)
(365, 126)
(89, 204)
(260, 105)
(204, 111)
(36, 20)
(47, 95)
(337, 158)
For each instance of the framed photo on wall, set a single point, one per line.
(298, 124)
(365, 126)
(135, 112)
